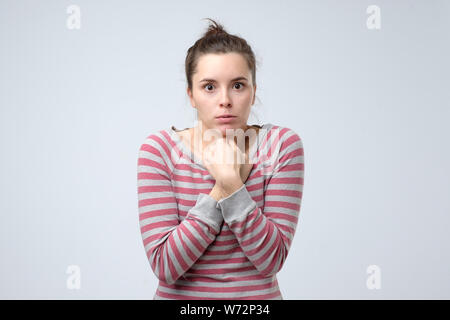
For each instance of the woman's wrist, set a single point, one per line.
(224, 189)
(230, 186)
(216, 193)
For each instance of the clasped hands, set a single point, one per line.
(228, 164)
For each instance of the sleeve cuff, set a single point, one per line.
(206, 210)
(236, 205)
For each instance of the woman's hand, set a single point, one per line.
(225, 162)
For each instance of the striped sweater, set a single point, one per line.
(200, 248)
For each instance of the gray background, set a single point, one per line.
(372, 108)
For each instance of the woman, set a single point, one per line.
(218, 214)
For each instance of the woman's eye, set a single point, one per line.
(240, 84)
(237, 83)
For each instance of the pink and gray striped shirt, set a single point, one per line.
(200, 248)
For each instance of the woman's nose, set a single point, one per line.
(225, 99)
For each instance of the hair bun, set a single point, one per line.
(215, 29)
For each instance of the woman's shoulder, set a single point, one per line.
(285, 145)
(281, 133)
(159, 140)
(284, 142)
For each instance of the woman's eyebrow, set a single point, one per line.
(235, 79)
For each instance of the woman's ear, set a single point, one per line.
(191, 96)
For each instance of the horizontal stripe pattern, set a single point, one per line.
(232, 249)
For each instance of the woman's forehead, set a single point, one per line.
(220, 64)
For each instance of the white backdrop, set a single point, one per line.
(371, 106)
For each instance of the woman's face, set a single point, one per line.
(222, 84)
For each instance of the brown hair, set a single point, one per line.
(217, 40)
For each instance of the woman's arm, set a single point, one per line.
(172, 247)
(266, 236)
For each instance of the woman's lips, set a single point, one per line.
(225, 119)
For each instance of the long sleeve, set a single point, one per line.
(171, 247)
(265, 237)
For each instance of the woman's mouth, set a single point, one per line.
(225, 119)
